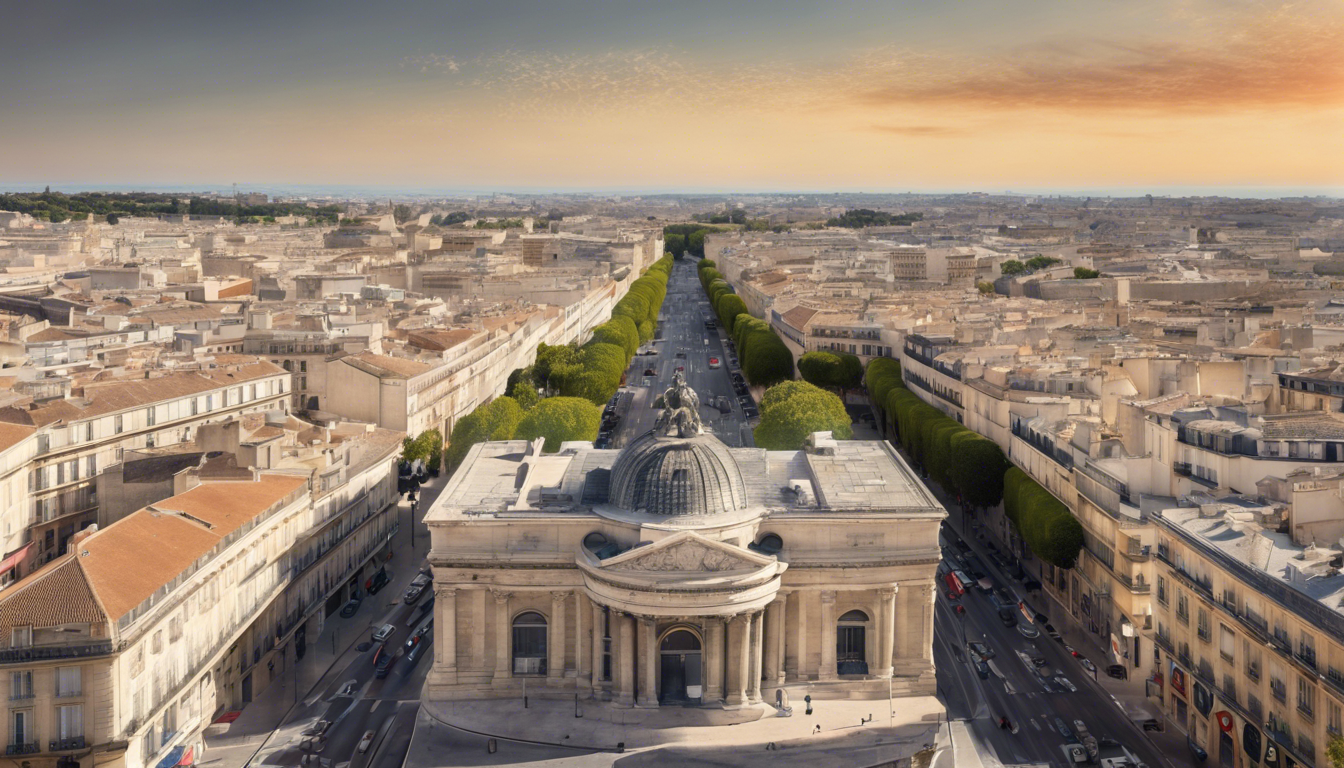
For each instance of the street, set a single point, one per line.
(1037, 700)
(681, 328)
(348, 695)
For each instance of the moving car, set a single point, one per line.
(365, 742)
(713, 362)
(383, 632)
(681, 355)
(982, 669)
(350, 607)
(419, 634)
(681, 369)
(384, 664)
(650, 372)
(1117, 671)
(981, 650)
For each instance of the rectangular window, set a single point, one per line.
(68, 682)
(195, 406)
(1306, 697)
(151, 416)
(1227, 642)
(70, 721)
(303, 366)
(21, 637)
(1334, 720)
(91, 466)
(20, 685)
(117, 424)
(21, 728)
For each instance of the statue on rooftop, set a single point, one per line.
(681, 410)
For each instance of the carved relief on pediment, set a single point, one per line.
(688, 556)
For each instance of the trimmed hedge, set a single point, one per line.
(496, 420)
(1045, 524)
(560, 419)
(795, 409)
(840, 370)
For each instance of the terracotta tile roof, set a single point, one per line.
(798, 317)
(131, 559)
(50, 334)
(13, 434)
(382, 365)
(55, 595)
(440, 339)
(118, 395)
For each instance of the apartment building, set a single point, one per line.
(1249, 634)
(123, 649)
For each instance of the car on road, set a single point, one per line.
(650, 372)
(1087, 664)
(681, 369)
(1064, 729)
(350, 607)
(1028, 630)
(365, 742)
(419, 634)
(415, 590)
(1054, 633)
(1064, 681)
(1008, 616)
(681, 355)
(414, 655)
(1150, 725)
(384, 664)
(981, 650)
(1118, 671)
(714, 362)
(381, 634)
(982, 669)
(750, 411)
(377, 581)
(316, 729)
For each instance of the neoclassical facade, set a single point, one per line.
(681, 571)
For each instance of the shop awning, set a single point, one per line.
(19, 556)
(177, 756)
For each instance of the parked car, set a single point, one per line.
(414, 655)
(350, 607)
(1118, 671)
(316, 729)
(681, 355)
(1151, 725)
(750, 411)
(650, 372)
(415, 590)
(377, 581)
(681, 369)
(1054, 633)
(982, 669)
(713, 362)
(381, 634)
(365, 742)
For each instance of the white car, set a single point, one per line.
(365, 742)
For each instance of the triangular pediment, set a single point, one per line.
(687, 552)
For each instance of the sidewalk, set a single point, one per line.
(232, 745)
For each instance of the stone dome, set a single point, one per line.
(683, 476)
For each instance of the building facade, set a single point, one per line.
(679, 570)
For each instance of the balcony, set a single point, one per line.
(47, 652)
(1181, 468)
(1306, 656)
(21, 696)
(1136, 586)
(30, 748)
(61, 745)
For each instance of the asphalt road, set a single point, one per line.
(1033, 702)
(354, 701)
(681, 325)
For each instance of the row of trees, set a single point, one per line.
(792, 410)
(427, 447)
(578, 381)
(57, 206)
(972, 467)
(1013, 267)
(837, 370)
(856, 218)
(764, 358)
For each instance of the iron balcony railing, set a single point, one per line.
(48, 652)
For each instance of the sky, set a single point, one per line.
(842, 95)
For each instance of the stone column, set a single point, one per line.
(503, 637)
(476, 609)
(445, 610)
(555, 646)
(582, 648)
(648, 657)
(599, 633)
(713, 660)
(738, 647)
(827, 670)
(774, 665)
(801, 671)
(626, 655)
(757, 651)
(927, 593)
(886, 630)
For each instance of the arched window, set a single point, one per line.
(529, 644)
(769, 544)
(851, 650)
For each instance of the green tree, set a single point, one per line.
(1013, 268)
(560, 419)
(1050, 531)
(674, 244)
(1334, 752)
(1041, 262)
(985, 287)
(548, 358)
(821, 368)
(767, 361)
(495, 420)
(978, 470)
(788, 419)
(525, 392)
(1083, 273)
(729, 307)
(113, 219)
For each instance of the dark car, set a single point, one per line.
(384, 664)
(1008, 616)
(982, 669)
(750, 411)
(350, 607)
(1151, 725)
(650, 372)
(681, 355)
(980, 650)
(377, 582)
(419, 635)
(415, 590)
(1053, 633)
(1117, 671)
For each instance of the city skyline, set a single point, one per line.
(1245, 98)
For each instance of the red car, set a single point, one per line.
(681, 368)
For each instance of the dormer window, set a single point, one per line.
(21, 637)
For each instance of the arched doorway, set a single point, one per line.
(851, 648)
(680, 667)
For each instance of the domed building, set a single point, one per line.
(679, 570)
